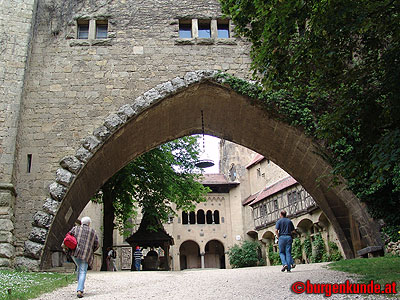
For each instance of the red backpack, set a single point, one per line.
(70, 241)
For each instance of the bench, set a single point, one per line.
(371, 251)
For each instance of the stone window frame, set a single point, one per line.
(213, 39)
(92, 39)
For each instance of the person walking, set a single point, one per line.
(111, 256)
(83, 254)
(138, 258)
(284, 229)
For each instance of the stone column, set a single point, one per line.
(202, 254)
(7, 201)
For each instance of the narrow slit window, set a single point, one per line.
(223, 29)
(29, 164)
(83, 29)
(101, 29)
(185, 29)
(204, 29)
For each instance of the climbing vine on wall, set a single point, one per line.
(274, 257)
(297, 251)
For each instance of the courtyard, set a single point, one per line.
(246, 283)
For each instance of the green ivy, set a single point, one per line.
(297, 252)
(308, 248)
(319, 249)
(274, 257)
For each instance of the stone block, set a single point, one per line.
(6, 250)
(6, 225)
(57, 191)
(165, 89)
(51, 206)
(71, 163)
(38, 235)
(5, 263)
(191, 77)
(83, 154)
(139, 104)
(33, 249)
(125, 112)
(6, 237)
(64, 177)
(178, 83)
(6, 199)
(102, 133)
(91, 143)
(151, 96)
(26, 263)
(42, 219)
(113, 121)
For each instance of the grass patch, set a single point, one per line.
(27, 285)
(380, 269)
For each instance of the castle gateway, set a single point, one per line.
(87, 86)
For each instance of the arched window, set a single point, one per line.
(201, 218)
(209, 217)
(192, 217)
(185, 218)
(216, 217)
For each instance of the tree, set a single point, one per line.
(154, 182)
(332, 68)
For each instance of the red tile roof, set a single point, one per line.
(273, 189)
(255, 160)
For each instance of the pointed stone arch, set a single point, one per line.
(172, 110)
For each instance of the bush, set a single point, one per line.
(308, 248)
(319, 248)
(245, 255)
(274, 257)
(297, 249)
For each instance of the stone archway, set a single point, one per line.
(172, 110)
(189, 255)
(214, 255)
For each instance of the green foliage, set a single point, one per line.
(27, 285)
(308, 248)
(245, 255)
(331, 68)
(319, 249)
(335, 254)
(154, 181)
(274, 257)
(297, 250)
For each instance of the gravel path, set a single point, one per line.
(246, 283)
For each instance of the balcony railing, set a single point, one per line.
(295, 201)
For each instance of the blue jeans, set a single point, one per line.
(285, 250)
(137, 264)
(81, 271)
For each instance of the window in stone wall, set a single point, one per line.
(192, 217)
(185, 29)
(204, 29)
(216, 217)
(185, 218)
(223, 29)
(101, 29)
(201, 218)
(83, 29)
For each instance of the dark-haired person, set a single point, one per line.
(284, 229)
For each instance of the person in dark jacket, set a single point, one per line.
(83, 254)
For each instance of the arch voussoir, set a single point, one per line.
(298, 147)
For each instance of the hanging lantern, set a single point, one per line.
(204, 162)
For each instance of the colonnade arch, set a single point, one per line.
(172, 110)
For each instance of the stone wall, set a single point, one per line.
(73, 85)
(15, 36)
